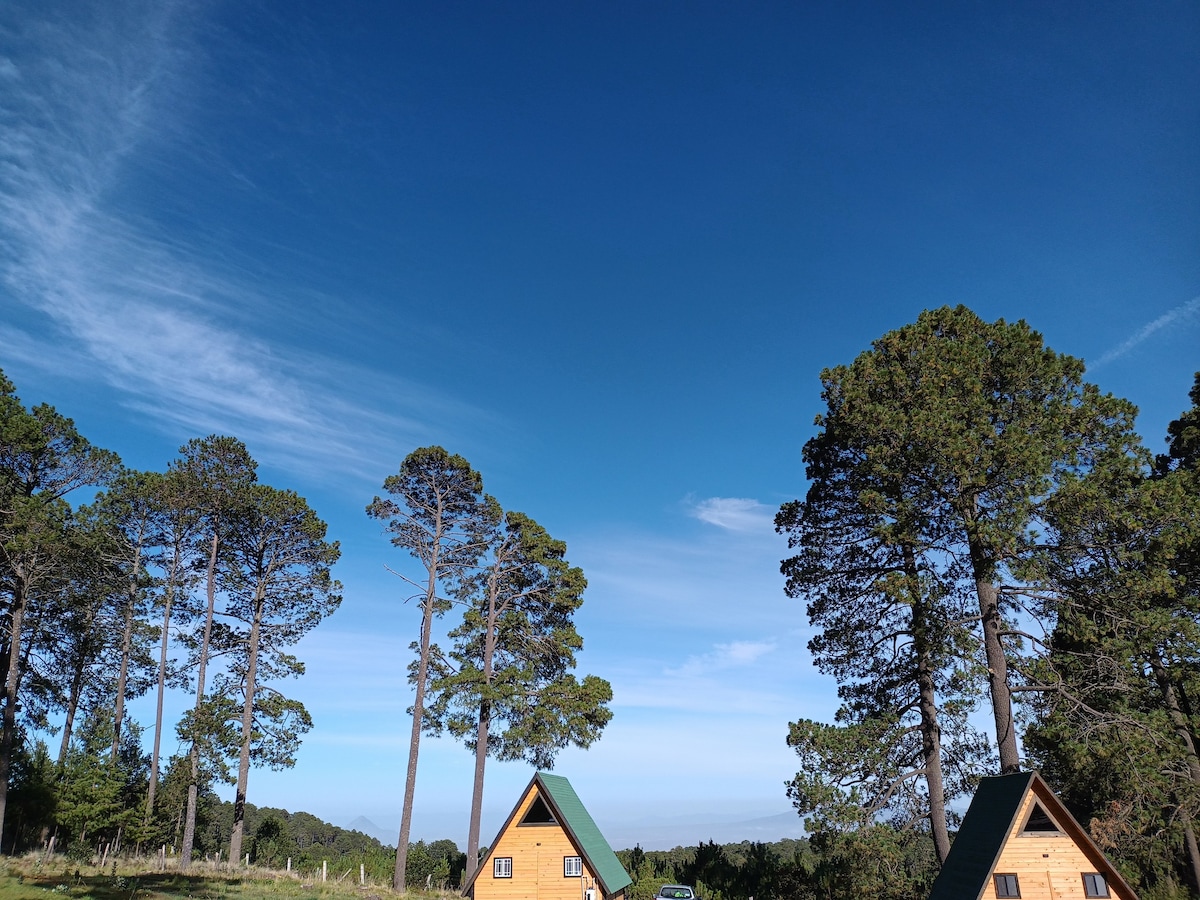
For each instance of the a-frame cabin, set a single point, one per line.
(1018, 840)
(549, 849)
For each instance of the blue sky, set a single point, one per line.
(603, 251)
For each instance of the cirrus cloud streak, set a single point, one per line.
(86, 99)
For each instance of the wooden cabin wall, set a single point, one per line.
(1049, 866)
(537, 853)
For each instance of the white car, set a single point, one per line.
(676, 892)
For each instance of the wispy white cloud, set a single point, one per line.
(733, 513)
(90, 93)
(1181, 314)
(735, 654)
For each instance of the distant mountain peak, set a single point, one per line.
(366, 826)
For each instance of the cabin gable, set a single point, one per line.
(1046, 857)
(538, 854)
(1018, 840)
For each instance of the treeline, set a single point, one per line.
(196, 577)
(275, 836)
(98, 803)
(878, 861)
(93, 800)
(984, 530)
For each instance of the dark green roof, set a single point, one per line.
(599, 856)
(981, 837)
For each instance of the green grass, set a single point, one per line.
(30, 879)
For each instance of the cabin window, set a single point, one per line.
(1094, 885)
(1007, 886)
(502, 867)
(573, 868)
(539, 814)
(1039, 822)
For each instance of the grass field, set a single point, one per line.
(31, 879)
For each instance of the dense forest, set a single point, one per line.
(879, 862)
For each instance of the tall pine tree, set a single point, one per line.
(279, 587)
(437, 511)
(507, 689)
(894, 630)
(959, 431)
(219, 471)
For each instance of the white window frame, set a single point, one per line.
(572, 863)
(502, 867)
(1093, 882)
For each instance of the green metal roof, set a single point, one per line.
(594, 848)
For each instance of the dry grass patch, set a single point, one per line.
(31, 878)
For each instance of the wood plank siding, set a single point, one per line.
(1050, 865)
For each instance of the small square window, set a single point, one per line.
(1007, 886)
(573, 867)
(502, 867)
(1094, 885)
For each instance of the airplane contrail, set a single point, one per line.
(1181, 312)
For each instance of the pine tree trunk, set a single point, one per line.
(152, 788)
(239, 803)
(481, 742)
(997, 662)
(11, 682)
(931, 733)
(189, 816)
(931, 746)
(122, 681)
(189, 825)
(1178, 721)
(69, 722)
(77, 679)
(126, 644)
(481, 737)
(414, 743)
